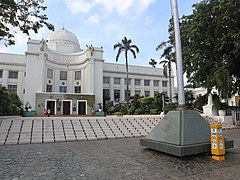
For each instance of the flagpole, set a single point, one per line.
(181, 96)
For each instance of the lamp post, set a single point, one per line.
(181, 97)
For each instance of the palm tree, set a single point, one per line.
(169, 57)
(152, 62)
(126, 46)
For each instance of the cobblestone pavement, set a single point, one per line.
(112, 159)
(21, 130)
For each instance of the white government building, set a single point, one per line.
(59, 75)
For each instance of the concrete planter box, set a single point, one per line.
(100, 113)
(29, 113)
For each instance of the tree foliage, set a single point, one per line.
(23, 14)
(10, 103)
(126, 46)
(169, 57)
(152, 62)
(137, 105)
(211, 45)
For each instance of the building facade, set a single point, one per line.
(59, 75)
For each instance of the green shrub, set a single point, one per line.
(118, 113)
(169, 107)
(153, 111)
(131, 110)
(139, 111)
(147, 100)
(124, 109)
(111, 110)
(15, 110)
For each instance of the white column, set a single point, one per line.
(122, 90)
(132, 87)
(111, 90)
(142, 87)
(5, 78)
(56, 80)
(91, 74)
(160, 86)
(151, 88)
(20, 84)
(70, 81)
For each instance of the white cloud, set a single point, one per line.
(128, 8)
(21, 40)
(142, 5)
(93, 19)
(78, 6)
(120, 6)
(148, 20)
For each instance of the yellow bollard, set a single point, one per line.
(217, 142)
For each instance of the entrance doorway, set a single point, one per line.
(66, 107)
(82, 105)
(51, 106)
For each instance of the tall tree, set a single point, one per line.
(211, 45)
(126, 46)
(22, 14)
(152, 62)
(169, 57)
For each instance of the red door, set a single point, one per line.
(66, 107)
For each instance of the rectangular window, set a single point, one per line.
(116, 80)
(106, 94)
(155, 93)
(155, 83)
(62, 89)
(77, 89)
(49, 88)
(49, 73)
(138, 92)
(147, 93)
(1, 73)
(164, 83)
(13, 74)
(116, 94)
(12, 88)
(137, 82)
(106, 80)
(63, 75)
(146, 82)
(77, 75)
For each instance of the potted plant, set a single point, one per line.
(28, 107)
(220, 106)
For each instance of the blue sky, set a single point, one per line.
(106, 22)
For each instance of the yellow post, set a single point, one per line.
(217, 142)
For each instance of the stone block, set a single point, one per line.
(59, 138)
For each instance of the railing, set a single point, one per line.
(208, 117)
(236, 117)
(235, 113)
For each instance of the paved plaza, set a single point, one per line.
(106, 158)
(57, 129)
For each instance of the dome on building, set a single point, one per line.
(64, 41)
